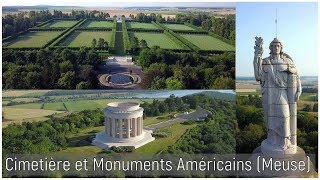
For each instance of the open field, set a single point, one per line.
(18, 93)
(26, 100)
(156, 146)
(65, 24)
(156, 39)
(157, 119)
(138, 25)
(81, 105)
(84, 38)
(28, 106)
(19, 115)
(56, 106)
(206, 42)
(178, 27)
(93, 24)
(32, 39)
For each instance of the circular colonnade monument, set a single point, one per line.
(123, 126)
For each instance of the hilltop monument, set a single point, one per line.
(123, 126)
(281, 88)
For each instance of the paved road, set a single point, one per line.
(199, 113)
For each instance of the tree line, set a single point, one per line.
(165, 69)
(215, 135)
(47, 69)
(251, 130)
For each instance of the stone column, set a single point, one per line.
(120, 129)
(138, 126)
(134, 127)
(105, 125)
(108, 125)
(128, 128)
(113, 128)
(141, 119)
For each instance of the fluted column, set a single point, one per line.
(134, 127)
(120, 129)
(107, 125)
(113, 128)
(141, 124)
(128, 128)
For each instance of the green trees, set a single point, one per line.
(45, 69)
(187, 70)
(47, 136)
(216, 135)
(250, 129)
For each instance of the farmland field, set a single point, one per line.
(84, 38)
(32, 39)
(19, 115)
(156, 39)
(93, 104)
(17, 93)
(178, 27)
(206, 42)
(92, 24)
(56, 106)
(138, 25)
(65, 24)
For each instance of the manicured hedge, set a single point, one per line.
(126, 40)
(48, 29)
(147, 30)
(220, 38)
(67, 32)
(44, 23)
(93, 28)
(176, 40)
(184, 41)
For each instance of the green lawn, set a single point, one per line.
(17, 93)
(157, 119)
(73, 106)
(92, 24)
(81, 136)
(178, 27)
(156, 146)
(84, 38)
(26, 99)
(138, 25)
(156, 39)
(65, 24)
(28, 106)
(175, 131)
(206, 42)
(56, 106)
(32, 39)
(19, 115)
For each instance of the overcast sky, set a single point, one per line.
(114, 3)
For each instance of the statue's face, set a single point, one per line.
(276, 48)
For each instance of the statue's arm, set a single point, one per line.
(257, 60)
(299, 88)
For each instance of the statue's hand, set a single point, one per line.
(258, 49)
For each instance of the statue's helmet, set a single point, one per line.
(275, 40)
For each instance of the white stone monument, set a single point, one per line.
(123, 126)
(281, 88)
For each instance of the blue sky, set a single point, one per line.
(297, 30)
